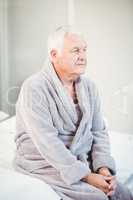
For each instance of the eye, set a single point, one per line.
(75, 50)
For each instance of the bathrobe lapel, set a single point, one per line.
(61, 93)
(68, 106)
(81, 133)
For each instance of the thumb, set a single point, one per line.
(108, 178)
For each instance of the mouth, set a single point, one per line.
(81, 64)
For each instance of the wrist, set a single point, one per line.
(104, 171)
(85, 178)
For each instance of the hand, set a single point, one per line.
(104, 171)
(99, 181)
(112, 184)
(110, 179)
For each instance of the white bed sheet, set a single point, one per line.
(14, 186)
(122, 147)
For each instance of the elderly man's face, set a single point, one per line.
(72, 60)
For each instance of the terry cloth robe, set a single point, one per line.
(51, 145)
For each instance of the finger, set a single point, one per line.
(108, 178)
(105, 190)
(113, 184)
(111, 193)
(106, 186)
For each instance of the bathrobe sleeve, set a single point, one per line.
(35, 110)
(101, 156)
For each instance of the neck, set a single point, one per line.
(66, 80)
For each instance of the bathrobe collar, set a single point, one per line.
(68, 104)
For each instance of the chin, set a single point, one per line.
(81, 71)
(77, 75)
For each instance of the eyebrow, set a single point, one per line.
(76, 47)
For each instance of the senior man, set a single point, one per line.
(61, 134)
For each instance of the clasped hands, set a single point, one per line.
(103, 180)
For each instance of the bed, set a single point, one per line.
(16, 186)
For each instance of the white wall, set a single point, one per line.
(109, 29)
(29, 24)
(4, 78)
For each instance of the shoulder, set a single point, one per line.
(34, 82)
(33, 89)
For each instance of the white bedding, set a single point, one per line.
(16, 186)
(7, 145)
(121, 145)
(13, 185)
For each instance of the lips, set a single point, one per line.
(83, 63)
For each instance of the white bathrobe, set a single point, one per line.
(51, 144)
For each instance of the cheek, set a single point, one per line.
(59, 62)
(70, 61)
(73, 60)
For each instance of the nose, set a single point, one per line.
(82, 56)
(81, 59)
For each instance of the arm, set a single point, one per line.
(101, 146)
(102, 162)
(33, 106)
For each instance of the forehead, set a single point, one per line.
(73, 40)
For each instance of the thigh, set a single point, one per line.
(122, 193)
(82, 191)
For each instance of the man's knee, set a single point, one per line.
(122, 192)
(99, 196)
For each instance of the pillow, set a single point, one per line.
(121, 148)
(8, 125)
(3, 116)
(7, 145)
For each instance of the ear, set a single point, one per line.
(53, 53)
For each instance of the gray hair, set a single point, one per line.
(56, 39)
